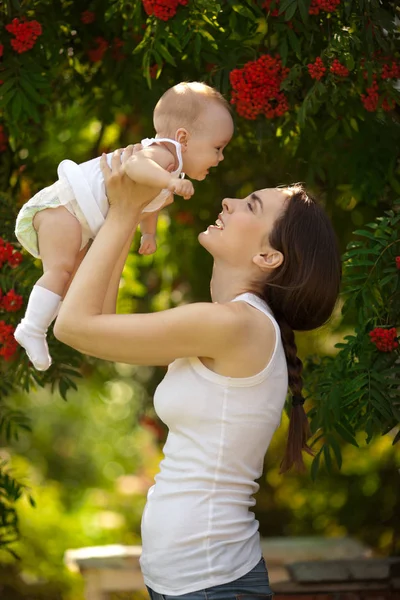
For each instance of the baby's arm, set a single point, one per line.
(148, 227)
(150, 167)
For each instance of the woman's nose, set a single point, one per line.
(227, 204)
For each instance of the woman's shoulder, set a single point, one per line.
(252, 336)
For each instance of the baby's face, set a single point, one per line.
(204, 148)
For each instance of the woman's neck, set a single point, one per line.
(227, 283)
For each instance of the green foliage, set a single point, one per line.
(358, 389)
(11, 491)
(66, 64)
(68, 97)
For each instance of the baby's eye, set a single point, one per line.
(218, 149)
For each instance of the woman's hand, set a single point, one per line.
(121, 190)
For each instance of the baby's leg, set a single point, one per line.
(81, 255)
(59, 239)
(148, 227)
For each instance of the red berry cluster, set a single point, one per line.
(8, 344)
(87, 17)
(338, 69)
(326, 5)
(256, 88)
(10, 302)
(391, 70)
(163, 9)
(388, 104)
(398, 262)
(9, 255)
(267, 5)
(25, 32)
(3, 139)
(96, 54)
(371, 98)
(384, 339)
(117, 52)
(317, 69)
(1, 50)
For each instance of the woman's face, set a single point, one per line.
(242, 229)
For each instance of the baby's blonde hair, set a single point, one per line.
(183, 105)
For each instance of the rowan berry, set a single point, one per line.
(317, 69)
(8, 344)
(384, 339)
(256, 88)
(96, 54)
(25, 32)
(338, 69)
(88, 17)
(163, 9)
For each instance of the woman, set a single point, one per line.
(276, 268)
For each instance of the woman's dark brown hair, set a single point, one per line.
(301, 293)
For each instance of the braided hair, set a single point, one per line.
(301, 293)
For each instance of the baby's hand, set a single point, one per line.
(182, 187)
(148, 244)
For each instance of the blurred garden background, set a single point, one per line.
(314, 86)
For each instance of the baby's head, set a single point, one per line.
(198, 117)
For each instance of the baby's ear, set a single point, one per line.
(182, 136)
(170, 168)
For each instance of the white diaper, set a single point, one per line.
(59, 193)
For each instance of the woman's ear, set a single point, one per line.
(268, 261)
(182, 136)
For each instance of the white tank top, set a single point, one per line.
(87, 183)
(197, 529)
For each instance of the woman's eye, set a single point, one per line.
(250, 206)
(218, 149)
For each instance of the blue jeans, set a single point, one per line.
(252, 586)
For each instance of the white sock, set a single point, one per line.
(43, 306)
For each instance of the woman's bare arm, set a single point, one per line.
(110, 299)
(203, 329)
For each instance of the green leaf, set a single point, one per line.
(304, 7)
(167, 56)
(6, 86)
(283, 50)
(289, 14)
(31, 92)
(379, 403)
(349, 62)
(243, 10)
(147, 58)
(294, 42)
(346, 435)
(370, 236)
(173, 40)
(392, 277)
(354, 123)
(7, 97)
(315, 466)
(332, 131)
(285, 5)
(16, 106)
(337, 451)
(327, 457)
(206, 35)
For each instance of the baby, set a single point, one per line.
(193, 125)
